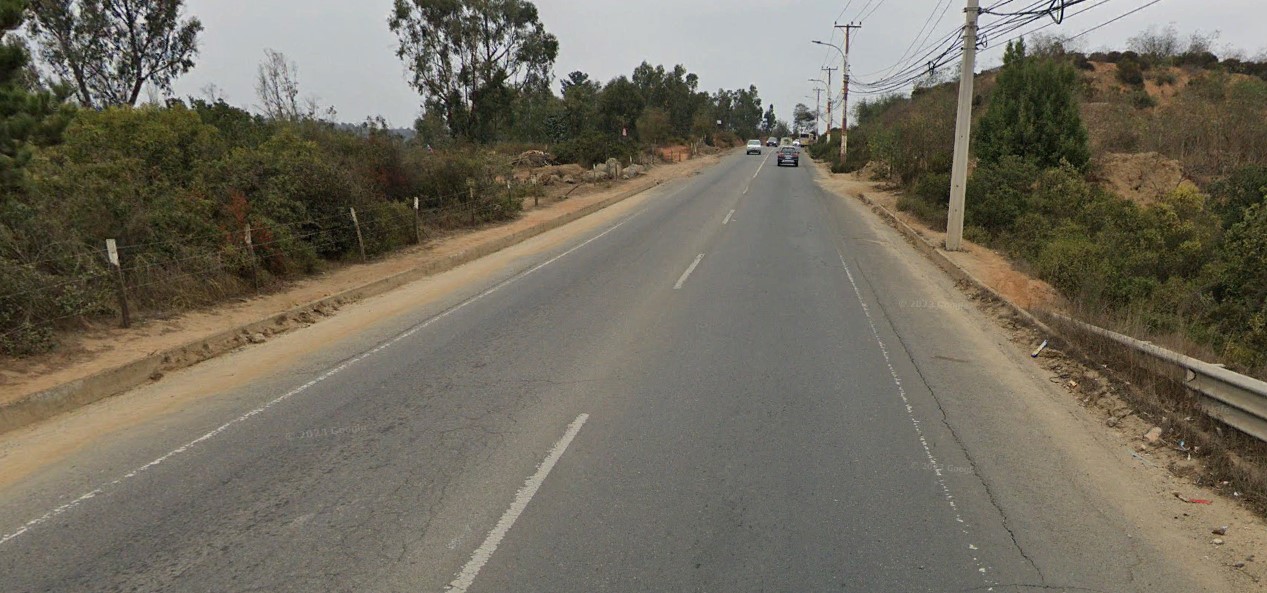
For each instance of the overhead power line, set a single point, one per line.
(948, 50)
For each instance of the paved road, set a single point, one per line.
(743, 384)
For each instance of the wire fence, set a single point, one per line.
(50, 286)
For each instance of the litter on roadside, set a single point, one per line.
(1193, 500)
(1039, 349)
(1142, 460)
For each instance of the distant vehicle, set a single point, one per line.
(754, 147)
(785, 142)
(772, 141)
(789, 154)
(796, 143)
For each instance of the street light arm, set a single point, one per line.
(842, 52)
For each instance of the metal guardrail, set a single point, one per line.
(1232, 398)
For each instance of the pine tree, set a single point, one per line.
(1033, 113)
(27, 117)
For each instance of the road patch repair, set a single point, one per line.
(48, 394)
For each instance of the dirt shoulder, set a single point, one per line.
(98, 349)
(987, 265)
(1167, 488)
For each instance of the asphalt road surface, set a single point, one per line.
(735, 383)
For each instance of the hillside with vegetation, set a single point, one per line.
(208, 201)
(1135, 181)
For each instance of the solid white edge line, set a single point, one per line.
(910, 412)
(687, 273)
(484, 553)
(727, 221)
(302, 388)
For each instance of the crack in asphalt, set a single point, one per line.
(945, 420)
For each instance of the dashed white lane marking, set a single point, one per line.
(727, 221)
(687, 273)
(910, 411)
(483, 553)
(754, 175)
(302, 388)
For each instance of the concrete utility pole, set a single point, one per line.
(963, 130)
(844, 93)
(818, 105)
(829, 101)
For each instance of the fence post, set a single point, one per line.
(255, 267)
(112, 254)
(472, 202)
(359, 239)
(417, 224)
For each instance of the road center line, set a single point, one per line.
(483, 553)
(31, 524)
(754, 175)
(687, 273)
(727, 221)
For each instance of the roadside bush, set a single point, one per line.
(931, 214)
(727, 139)
(177, 187)
(1033, 113)
(1239, 290)
(859, 150)
(1165, 77)
(1231, 196)
(998, 193)
(934, 188)
(594, 147)
(1140, 99)
(1129, 73)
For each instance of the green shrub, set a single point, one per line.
(177, 189)
(999, 192)
(1232, 195)
(594, 147)
(934, 188)
(1033, 113)
(1129, 73)
(931, 214)
(1140, 99)
(1165, 77)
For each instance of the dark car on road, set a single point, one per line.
(790, 155)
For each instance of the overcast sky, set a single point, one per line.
(345, 51)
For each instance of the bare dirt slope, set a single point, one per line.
(1142, 177)
(104, 347)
